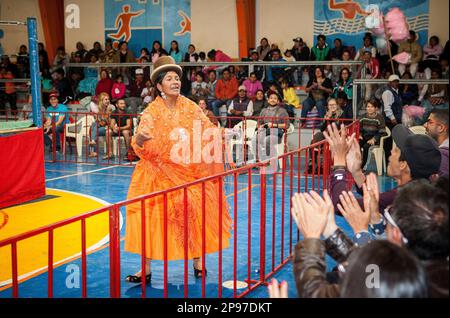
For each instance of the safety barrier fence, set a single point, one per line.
(93, 138)
(262, 235)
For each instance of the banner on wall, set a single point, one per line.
(345, 19)
(140, 22)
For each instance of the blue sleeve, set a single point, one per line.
(362, 238)
(379, 229)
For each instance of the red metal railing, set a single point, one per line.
(269, 263)
(115, 140)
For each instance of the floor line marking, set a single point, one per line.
(79, 174)
(98, 173)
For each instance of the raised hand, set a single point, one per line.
(331, 226)
(310, 213)
(351, 210)
(372, 198)
(353, 158)
(339, 144)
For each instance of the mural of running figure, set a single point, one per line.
(124, 19)
(349, 9)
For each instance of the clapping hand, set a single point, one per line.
(331, 226)
(310, 213)
(277, 290)
(351, 210)
(372, 198)
(339, 143)
(354, 158)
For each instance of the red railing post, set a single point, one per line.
(143, 250)
(235, 192)
(50, 264)
(83, 258)
(220, 237)
(114, 250)
(203, 240)
(14, 270)
(249, 228)
(186, 243)
(165, 246)
(262, 247)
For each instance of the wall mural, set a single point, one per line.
(140, 22)
(345, 19)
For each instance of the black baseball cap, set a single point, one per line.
(421, 152)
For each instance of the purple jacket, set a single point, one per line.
(338, 184)
(443, 170)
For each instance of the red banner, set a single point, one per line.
(22, 173)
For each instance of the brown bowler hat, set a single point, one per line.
(164, 64)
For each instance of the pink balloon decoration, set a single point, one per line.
(402, 58)
(397, 25)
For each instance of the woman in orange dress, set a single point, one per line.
(166, 124)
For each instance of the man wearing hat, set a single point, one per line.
(392, 109)
(415, 156)
(134, 101)
(241, 106)
(57, 116)
(300, 51)
(166, 125)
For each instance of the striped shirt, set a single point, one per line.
(372, 126)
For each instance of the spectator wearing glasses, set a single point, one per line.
(437, 128)
(403, 274)
(414, 157)
(418, 221)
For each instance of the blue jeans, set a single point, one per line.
(215, 105)
(101, 131)
(48, 142)
(309, 103)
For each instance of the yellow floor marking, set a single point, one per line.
(32, 253)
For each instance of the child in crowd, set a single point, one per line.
(290, 99)
(147, 93)
(372, 128)
(118, 89)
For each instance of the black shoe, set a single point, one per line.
(137, 279)
(198, 272)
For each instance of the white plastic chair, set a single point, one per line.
(245, 137)
(378, 153)
(418, 130)
(281, 147)
(79, 130)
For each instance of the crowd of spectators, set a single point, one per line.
(236, 92)
(403, 231)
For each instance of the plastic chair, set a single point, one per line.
(62, 137)
(79, 130)
(378, 153)
(281, 147)
(418, 130)
(247, 136)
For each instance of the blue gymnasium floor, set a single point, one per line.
(111, 184)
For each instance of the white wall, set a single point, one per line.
(92, 24)
(214, 26)
(439, 19)
(214, 23)
(283, 20)
(15, 36)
